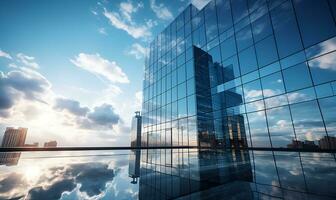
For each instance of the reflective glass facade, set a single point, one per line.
(244, 73)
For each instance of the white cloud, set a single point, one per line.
(28, 61)
(134, 30)
(97, 65)
(5, 55)
(138, 100)
(199, 4)
(161, 11)
(102, 31)
(138, 51)
(127, 9)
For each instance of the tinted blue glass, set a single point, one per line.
(321, 48)
(181, 74)
(239, 9)
(258, 129)
(190, 69)
(262, 28)
(182, 107)
(254, 4)
(191, 105)
(244, 38)
(210, 21)
(324, 90)
(231, 68)
(247, 60)
(224, 15)
(308, 123)
(286, 30)
(228, 48)
(266, 51)
(301, 95)
(269, 69)
(272, 85)
(199, 38)
(182, 90)
(250, 77)
(323, 68)
(215, 55)
(297, 77)
(314, 27)
(252, 91)
(280, 126)
(293, 60)
(190, 86)
(328, 108)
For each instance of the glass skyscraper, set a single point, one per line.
(244, 73)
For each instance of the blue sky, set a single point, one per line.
(71, 69)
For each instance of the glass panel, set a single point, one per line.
(262, 28)
(191, 105)
(239, 9)
(244, 38)
(210, 21)
(231, 68)
(252, 91)
(269, 69)
(314, 27)
(228, 48)
(285, 29)
(224, 15)
(324, 90)
(301, 95)
(328, 108)
(272, 85)
(182, 108)
(280, 126)
(248, 61)
(181, 74)
(291, 77)
(182, 90)
(266, 51)
(258, 129)
(323, 69)
(308, 124)
(215, 55)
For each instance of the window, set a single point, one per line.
(228, 48)
(285, 29)
(252, 91)
(191, 105)
(328, 108)
(199, 37)
(266, 51)
(190, 86)
(315, 21)
(239, 10)
(215, 55)
(297, 77)
(224, 15)
(262, 28)
(190, 69)
(182, 92)
(272, 85)
(323, 69)
(280, 126)
(307, 123)
(248, 62)
(182, 108)
(181, 74)
(244, 38)
(210, 21)
(231, 68)
(258, 129)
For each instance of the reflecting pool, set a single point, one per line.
(167, 174)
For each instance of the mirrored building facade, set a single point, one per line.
(244, 73)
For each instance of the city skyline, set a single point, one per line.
(63, 77)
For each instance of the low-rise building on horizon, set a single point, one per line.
(50, 144)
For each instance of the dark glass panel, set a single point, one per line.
(224, 15)
(239, 10)
(210, 21)
(244, 38)
(266, 51)
(231, 68)
(228, 48)
(297, 77)
(285, 29)
(262, 28)
(248, 61)
(315, 21)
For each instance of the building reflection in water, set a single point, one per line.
(10, 158)
(134, 165)
(210, 174)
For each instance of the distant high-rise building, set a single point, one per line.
(50, 144)
(136, 130)
(35, 144)
(14, 137)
